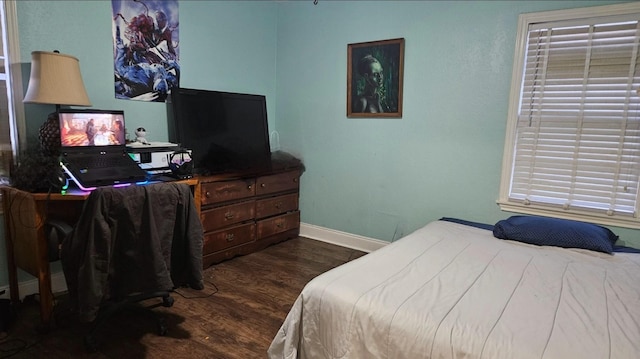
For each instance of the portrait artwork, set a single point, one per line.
(374, 78)
(145, 49)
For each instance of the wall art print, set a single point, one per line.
(146, 52)
(374, 78)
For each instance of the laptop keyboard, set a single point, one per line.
(101, 162)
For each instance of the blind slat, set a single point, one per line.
(578, 127)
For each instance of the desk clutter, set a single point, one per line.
(162, 158)
(232, 214)
(87, 147)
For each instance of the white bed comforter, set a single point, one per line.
(454, 291)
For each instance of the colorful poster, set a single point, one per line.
(145, 49)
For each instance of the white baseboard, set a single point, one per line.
(29, 287)
(343, 239)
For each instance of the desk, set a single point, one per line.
(25, 215)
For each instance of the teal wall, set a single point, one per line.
(379, 178)
(224, 45)
(384, 178)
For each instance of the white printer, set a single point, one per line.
(153, 157)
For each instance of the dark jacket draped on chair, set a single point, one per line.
(132, 240)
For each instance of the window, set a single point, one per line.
(12, 127)
(572, 148)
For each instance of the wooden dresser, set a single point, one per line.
(245, 213)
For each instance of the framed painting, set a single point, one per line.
(374, 78)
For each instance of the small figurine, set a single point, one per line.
(141, 133)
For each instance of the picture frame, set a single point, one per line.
(375, 72)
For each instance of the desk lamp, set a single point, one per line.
(56, 80)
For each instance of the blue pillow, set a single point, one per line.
(564, 233)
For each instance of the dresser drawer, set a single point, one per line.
(274, 225)
(216, 218)
(278, 182)
(228, 237)
(275, 205)
(216, 192)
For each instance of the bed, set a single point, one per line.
(453, 290)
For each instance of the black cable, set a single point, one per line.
(19, 348)
(18, 215)
(216, 290)
(17, 345)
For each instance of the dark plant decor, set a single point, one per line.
(37, 172)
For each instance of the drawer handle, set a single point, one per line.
(249, 187)
(295, 180)
(229, 215)
(229, 237)
(207, 194)
(278, 205)
(263, 185)
(280, 224)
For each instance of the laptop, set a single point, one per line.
(93, 148)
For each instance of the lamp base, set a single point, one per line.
(49, 135)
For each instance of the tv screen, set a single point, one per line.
(226, 131)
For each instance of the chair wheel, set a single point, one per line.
(163, 330)
(162, 327)
(167, 301)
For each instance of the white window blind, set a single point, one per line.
(576, 132)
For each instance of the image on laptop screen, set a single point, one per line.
(89, 128)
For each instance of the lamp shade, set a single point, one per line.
(56, 79)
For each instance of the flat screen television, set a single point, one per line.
(226, 131)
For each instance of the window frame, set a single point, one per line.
(517, 78)
(13, 79)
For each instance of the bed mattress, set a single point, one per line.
(450, 290)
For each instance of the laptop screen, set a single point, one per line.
(90, 128)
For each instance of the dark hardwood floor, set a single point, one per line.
(237, 315)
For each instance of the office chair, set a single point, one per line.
(130, 244)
